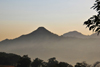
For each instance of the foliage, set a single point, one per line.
(8, 59)
(24, 61)
(63, 64)
(96, 64)
(38, 63)
(93, 23)
(52, 62)
(83, 64)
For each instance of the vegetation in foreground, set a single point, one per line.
(93, 23)
(24, 61)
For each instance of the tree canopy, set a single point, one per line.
(24, 61)
(93, 23)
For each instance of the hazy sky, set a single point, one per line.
(18, 17)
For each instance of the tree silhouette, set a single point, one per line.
(96, 64)
(8, 58)
(52, 62)
(83, 64)
(93, 23)
(38, 63)
(69, 65)
(78, 65)
(24, 61)
(63, 64)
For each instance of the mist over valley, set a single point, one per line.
(71, 47)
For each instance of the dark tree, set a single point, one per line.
(96, 64)
(93, 23)
(78, 65)
(70, 66)
(83, 64)
(8, 59)
(38, 63)
(24, 61)
(63, 64)
(52, 62)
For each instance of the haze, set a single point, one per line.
(44, 44)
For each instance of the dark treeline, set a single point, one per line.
(8, 59)
(25, 61)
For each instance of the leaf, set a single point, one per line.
(92, 7)
(97, 29)
(91, 17)
(89, 20)
(98, 8)
(98, 32)
(92, 27)
(97, 23)
(95, 7)
(86, 22)
(98, 2)
(88, 25)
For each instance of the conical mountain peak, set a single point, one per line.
(42, 32)
(41, 28)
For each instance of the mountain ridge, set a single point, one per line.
(75, 34)
(44, 31)
(39, 33)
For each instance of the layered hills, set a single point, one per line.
(72, 46)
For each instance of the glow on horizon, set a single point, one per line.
(22, 16)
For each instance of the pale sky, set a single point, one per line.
(18, 17)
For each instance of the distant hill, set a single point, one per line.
(94, 35)
(75, 34)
